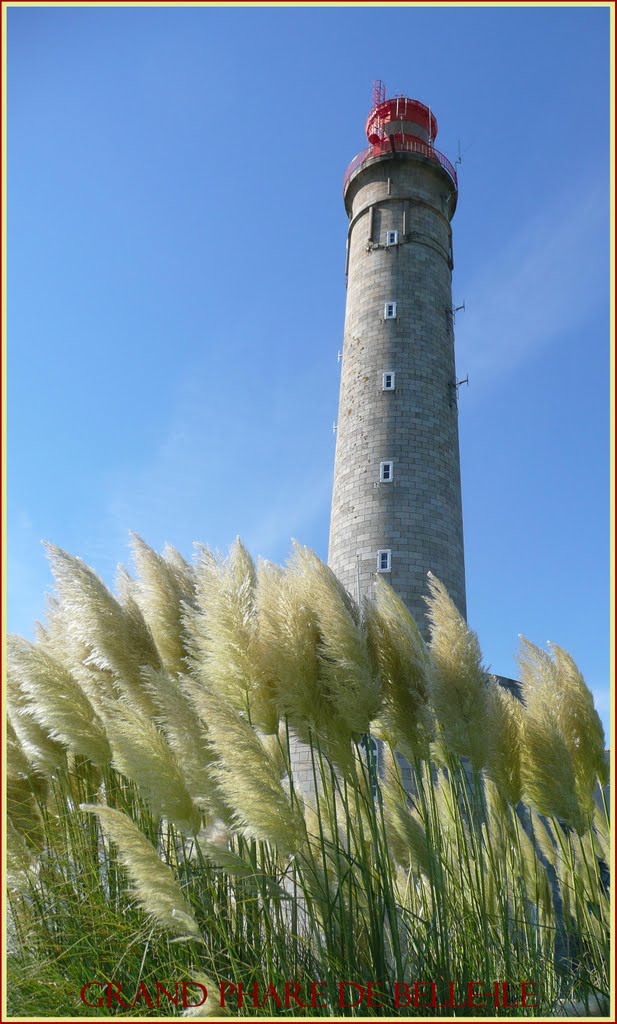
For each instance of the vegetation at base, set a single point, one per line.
(158, 831)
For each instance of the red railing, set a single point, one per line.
(401, 145)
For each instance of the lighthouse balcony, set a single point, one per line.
(392, 144)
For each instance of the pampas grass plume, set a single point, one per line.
(43, 752)
(406, 833)
(156, 889)
(290, 644)
(211, 1007)
(249, 780)
(547, 772)
(580, 723)
(563, 739)
(162, 590)
(57, 702)
(185, 733)
(459, 680)
(225, 646)
(503, 765)
(116, 638)
(141, 752)
(352, 687)
(404, 665)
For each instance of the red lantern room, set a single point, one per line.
(400, 125)
(399, 118)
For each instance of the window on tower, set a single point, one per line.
(388, 381)
(386, 472)
(390, 311)
(373, 761)
(391, 237)
(383, 561)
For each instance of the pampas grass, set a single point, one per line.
(164, 588)
(116, 638)
(141, 752)
(403, 664)
(226, 644)
(563, 748)
(503, 763)
(44, 753)
(350, 685)
(176, 716)
(54, 699)
(249, 780)
(460, 682)
(156, 890)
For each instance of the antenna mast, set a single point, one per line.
(379, 93)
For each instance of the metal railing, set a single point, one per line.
(401, 146)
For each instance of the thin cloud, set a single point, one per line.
(201, 475)
(544, 282)
(292, 512)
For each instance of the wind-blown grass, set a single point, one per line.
(158, 831)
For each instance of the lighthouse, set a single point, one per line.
(396, 503)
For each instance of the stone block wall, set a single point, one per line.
(417, 515)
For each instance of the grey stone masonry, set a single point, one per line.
(415, 515)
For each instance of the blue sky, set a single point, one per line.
(176, 288)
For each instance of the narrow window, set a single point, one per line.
(390, 311)
(388, 381)
(372, 759)
(386, 472)
(374, 755)
(391, 237)
(383, 561)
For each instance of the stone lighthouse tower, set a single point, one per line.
(396, 505)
